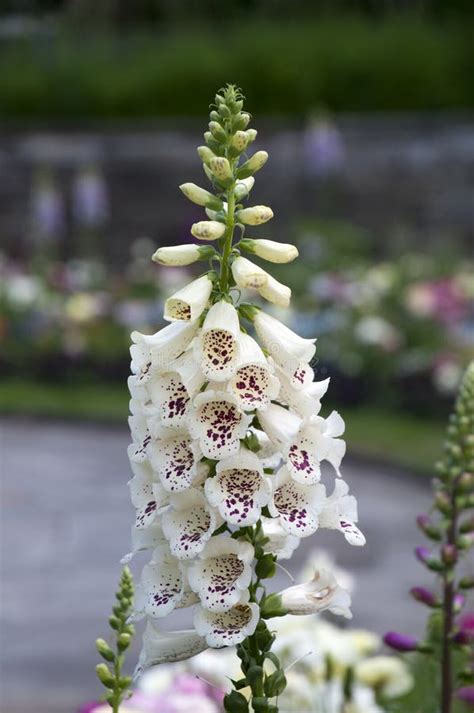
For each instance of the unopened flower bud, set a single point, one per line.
(246, 274)
(217, 131)
(275, 292)
(254, 164)
(465, 483)
(251, 135)
(401, 642)
(205, 154)
(243, 187)
(465, 542)
(200, 196)
(459, 601)
(424, 596)
(124, 641)
(208, 229)
(104, 675)
(179, 255)
(449, 554)
(465, 694)
(256, 215)
(270, 250)
(424, 523)
(220, 167)
(424, 555)
(104, 650)
(239, 141)
(443, 502)
(241, 121)
(466, 582)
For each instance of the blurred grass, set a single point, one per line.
(343, 63)
(371, 432)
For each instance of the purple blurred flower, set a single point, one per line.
(401, 642)
(424, 596)
(47, 207)
(465, 694)
(423, 554)
(323, 148)
(90, 198)
(465, 625)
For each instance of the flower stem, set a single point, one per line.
(228, 238)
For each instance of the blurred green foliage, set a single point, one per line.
(344, 63)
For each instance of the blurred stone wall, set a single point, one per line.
(92, 191)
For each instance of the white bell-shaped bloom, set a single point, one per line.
(297, 506)
(188, 303)
(168, 646)
(306, 402)
(286, 347)
(222, 573)
(322, 593)
(141, 437)
(226, 628)
(256, 215)
(270, 250)
(208, 229)
(144, 539)
(174, 457)
(151, 352)
(253, 384)
(340, 513)
(239, 489)
(189, 371)
(280, 543)
(248, 275)
(217, 345)
(275, 292)
(170, 398)
(181, 255)
(280, 425)
(189, 524)
(315, 442)
(268, 452)
(161, 584)
(147, 499)
(218, 423)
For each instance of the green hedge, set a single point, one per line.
(344, 65)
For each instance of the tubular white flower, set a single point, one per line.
(188, 303)
(256, 215)
(315, 442)
(147, 499)
(218, 423)
(222, 573)
(275, 292)
(171, 399)
(286, 347)
(307, 401)
(144, 539)
(180, 255)
(340, 513)
(198, 195)
(153, 352)
(161, 585)
(138, 450)
(270, 250)
(267, 452)
(175, 459)
(208, 229)
(217, 347)
(280, 425)
(247, 274)
(239, 490)
(322, 593)
(389, 675)
(297, 506)
(253, 384)
(227, 628)
(189, 524)
(243, 187)
(220, 167)
(168, 647)
(280, 543)
(189, 372)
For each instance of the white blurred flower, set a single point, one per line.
(388, 675)
(321, 593)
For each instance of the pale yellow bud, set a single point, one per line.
(199, 195)
(270, 250)
(251, 135)
(246, 274)
(256, 215)
(275, 292)
(205, 153)
(253, 165)
(240, 140)
(178, 255)
(243, 187)
(208, 230)
(220, 167)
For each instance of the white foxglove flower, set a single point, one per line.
(275, 292)
(388, 675)
(168, 646)
(144, 539)
(280, 425)
(239, 489)
(243, 187)
(256, 215)
(288, 349)
(280, 543)
(171, 399)
(175, 459)
(180, 255)
(227, 628)
(340, 513)
(248, 275)
(267, 451)
(222, 573)
(315, 442)
(208, 229)
(146, 499)
(253, 383)
(155, 351)
(189, 524)
(189, 372)
(306, 402)
(138, 450)
(161, 585)
(198, 195)
(217, 346)
(270, 250)
(297, 506)
(218, 423)
(320, 594)
(190, 301)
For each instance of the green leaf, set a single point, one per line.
(235, 702)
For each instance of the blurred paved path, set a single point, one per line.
(65, 524)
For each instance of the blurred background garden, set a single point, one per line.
(366, 108)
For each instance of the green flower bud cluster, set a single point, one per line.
(110, 675)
